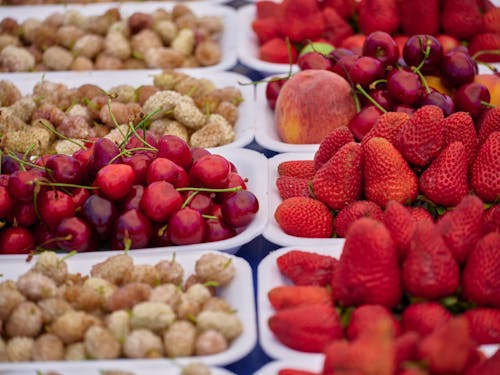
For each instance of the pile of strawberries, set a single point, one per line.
(343, 23)
(424, 161)
(384, 309)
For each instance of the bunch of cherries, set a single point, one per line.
(141, 193)
(385, 81)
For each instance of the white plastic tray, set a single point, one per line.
(268, 277)
(244, 127)
(273, 232)
(228, 38)
(239, 294)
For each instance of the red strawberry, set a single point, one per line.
(331, 144)
(286, 296)
(297, 168)
(368, 271)
(363, 319)
(387, 175)
(445, 181)
(421, 138)
(489, 366)
(336, 27)
(462, 227)
(267, 9)
(486, 169)
(484, 325)
(419, 213)
(266, 29)
(424, 317)
(401, 226)
(419, 16)
(277, 50)
(306, 268)
(429, 270)
(461, 19)
(444, 355)
(306, 328)
(289, 187)
(378, 15)
(291, 371)
(492, 20)
(301, 20)
(480, 277)
(406, 349)
(459, 126)
(352, 212)
(492, 219)
(485, 42)
(304, 217)
(345, 8)
(387, 126)
(338, 181)
(489, 124)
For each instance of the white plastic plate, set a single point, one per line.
(239, 294)
(228, 38)
(268, 277)
(273, 231)
(244, 127)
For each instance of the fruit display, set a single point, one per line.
(179, 307)
(100, 37)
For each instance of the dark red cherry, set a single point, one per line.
(132, 229)
(314, 60)
(404, 86)
(414, 52)
(100, 213)
(470, 98)
(115, 180)
(65, 169)
(176, 149)
(16, 240)
(273, 88)
(133, 199)
(160, 200)
(22, 184)
(443, 101)
(186, 226)
(366, 70)
(363, 121)
(240, 209)
(54, 206)
(73, 234)
(381, 46)
(211, 171)
(140, 163)
(5, 202)
(458, 68)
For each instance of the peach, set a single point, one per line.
(492, 82)
(311, 104)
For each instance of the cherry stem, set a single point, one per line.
(357, 104)
(209, 217)
(417, 69)
(67, 256)
(486, 104)
(189, 198)
(374, 84)
(64, 184)
(22, 163)
(422, 78)
(139, 125)
(368, 96)
(54, 239)
(484, 52)
(225, 190)
(43, 122)
(162, 230)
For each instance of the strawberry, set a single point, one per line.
(301, 20)
(480, 277)
(459, 126)
(406, 349)
(297, 168)
(266, 29)
(492, 219)
(421, 138)
(304, 217)
(368, 271)
(444, 355)
(445, 181)
(424, 317)
(429, 270)
(387, 126)
(387, 175)
(492, 20)
(490, 123)
(306, 328)
(306, 268)
(462, 227)
(331, 144)
(484, 325)
(401, 226)
(352, 212)
(489, 366)
(277, 50)
(419, 16)
(286, 296)
(267, 9)
(289, 187)
(485, 42)
(418, 213)
(291, 371)
(345, 8)
(338, 181)
(363, 318)
(461, 19)
(336, 27)
(485, 178)
(378, 15)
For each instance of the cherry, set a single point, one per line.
(234, 180)
(458, 68)
(16, 240)
(44, 237)
(273, 88)
(211, 171)
(22, 184)
(104, 151)
(140, 163)
(436, 98)
(131, 230)
(217, 230)
(381, 96)
(365, 70)
(415, 52)
(4, 180)
(363, 121)
(344, 65)
(336, 54)
(55, 205)
(9, 164)
(239, 209)
(186, 226)
(198, 152)
(403, 108)
(65, 169)
(160, 200)
(160, 236)
(314, 60)
(404, 86)
(176, 149)
(381, 46)
(100, 213)
(115, 180)
(133, 198)
(145, 140)
(200, 201)
(84, 155)
(470, 98)
(5, 202)
(80, 196)
(73, 234)
(162, 169)
(24, 214)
